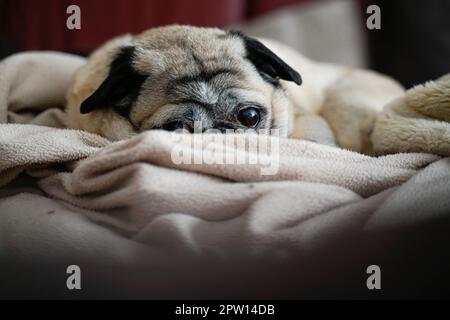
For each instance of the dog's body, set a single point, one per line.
(181, 77)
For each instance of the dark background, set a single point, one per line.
(40, 24)
(413, 44)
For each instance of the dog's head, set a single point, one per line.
(180, 77)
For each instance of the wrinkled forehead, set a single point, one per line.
(201, 71)
(178, 56)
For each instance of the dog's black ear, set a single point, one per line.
(121, 87)
(267, 62)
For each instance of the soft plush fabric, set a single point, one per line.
(417, 122)
(295, 239)
(32, 92)
(131, 211)
(136, 180)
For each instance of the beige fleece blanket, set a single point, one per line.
(32, 92)
(310, 194)
(416, 122)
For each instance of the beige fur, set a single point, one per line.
(335, 104)
(348, 99)
(416, 122)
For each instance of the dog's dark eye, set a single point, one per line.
(249, 117)
(176, 125)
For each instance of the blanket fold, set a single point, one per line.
(137, 177)
(32, 96)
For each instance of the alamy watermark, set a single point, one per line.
(374, 20)
(374, 280)
(73, 21)
(232, 147)
(73, 281)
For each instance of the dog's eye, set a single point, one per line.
(176, 125)
(249, 117)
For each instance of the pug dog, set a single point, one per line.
(195, 79)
